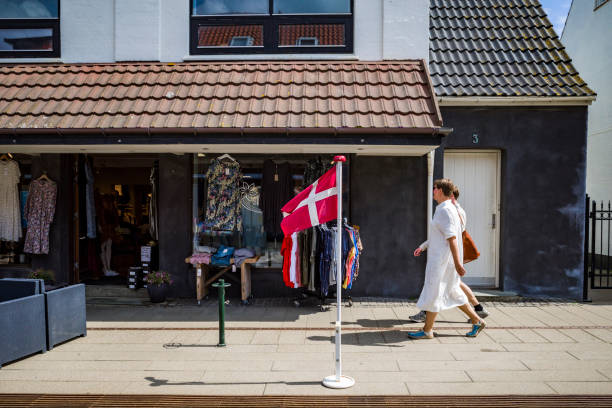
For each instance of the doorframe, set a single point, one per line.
(498, 195)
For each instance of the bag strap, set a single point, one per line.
(460, 218)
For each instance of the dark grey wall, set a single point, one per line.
(60, 257)
(389, 202)
(174, 207)
(543, 190)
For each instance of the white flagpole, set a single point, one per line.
(339, 380)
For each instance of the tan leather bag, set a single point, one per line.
(470, 252)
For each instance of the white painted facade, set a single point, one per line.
(158, 30)
(587, 37)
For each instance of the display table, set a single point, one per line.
(206, 275)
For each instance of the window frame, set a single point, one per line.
(271, 39)
(34, 23)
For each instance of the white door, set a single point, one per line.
(477, 174)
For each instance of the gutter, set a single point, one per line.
(149, 132)
(516, 100)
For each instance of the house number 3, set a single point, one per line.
(475, 138)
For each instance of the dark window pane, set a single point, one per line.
(205, 7)
(311, 6)
(28, 9)
(230, 36)
(310, 35)
(31, 39)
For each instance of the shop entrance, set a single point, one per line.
(113, 194)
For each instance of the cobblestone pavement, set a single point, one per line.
(529, 347)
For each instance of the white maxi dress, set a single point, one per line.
(441, 289)
(10, 212)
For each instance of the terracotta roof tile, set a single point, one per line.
(263, 94)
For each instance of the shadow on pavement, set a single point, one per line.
(158, 382)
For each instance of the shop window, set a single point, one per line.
(29, 28)
(248, 215)
(274, 26)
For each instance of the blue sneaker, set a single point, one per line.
(476, 328)
(420, 335)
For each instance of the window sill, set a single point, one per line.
(279, 57)
(30, 60)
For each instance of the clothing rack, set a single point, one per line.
(323, 264)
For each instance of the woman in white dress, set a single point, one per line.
(442, 289)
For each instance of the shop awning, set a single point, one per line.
(221, 99)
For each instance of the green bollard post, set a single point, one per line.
(221, 285)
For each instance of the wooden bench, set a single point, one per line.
(206, 275)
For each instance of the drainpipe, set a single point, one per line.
(430, 171)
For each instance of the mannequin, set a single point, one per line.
(108, 223)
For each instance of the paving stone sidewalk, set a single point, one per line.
(548, 347)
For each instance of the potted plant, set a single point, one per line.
(158, 284)
(47, 275)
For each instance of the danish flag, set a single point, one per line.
(316, 204)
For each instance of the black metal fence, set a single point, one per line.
(597, 256)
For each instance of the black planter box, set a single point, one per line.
(22, 319)
(66, 314)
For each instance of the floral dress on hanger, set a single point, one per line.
(223, 201)
(39, 211)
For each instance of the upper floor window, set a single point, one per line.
(29, 28)
(599, 3)
(271, 26)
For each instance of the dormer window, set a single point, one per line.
(29, 29)
(271, 26)
(307, 41)
(241, 41)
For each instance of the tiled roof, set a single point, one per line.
(216, 95)
(498, 48)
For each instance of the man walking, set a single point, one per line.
(442, 289)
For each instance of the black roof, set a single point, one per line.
(498, 48)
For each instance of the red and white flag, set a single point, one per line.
(316, 204)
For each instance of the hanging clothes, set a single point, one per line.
(153, 226)
(223, 202)
(253, 234)
(39, 212)
(286, 253)
(314, 169)
(277, 190)
(10, 218)
(90, 206)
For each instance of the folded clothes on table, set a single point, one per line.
(200, 258)
(241, 254)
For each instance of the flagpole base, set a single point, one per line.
(332, 382)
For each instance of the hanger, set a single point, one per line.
(226, 156)
(44, 177)
(6, 156)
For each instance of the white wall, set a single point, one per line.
(137, 30)
(406, 29)
(87, 30)
(587, 37)
(174, 39)
(158, 30)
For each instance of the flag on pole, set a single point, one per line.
(316, 204)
